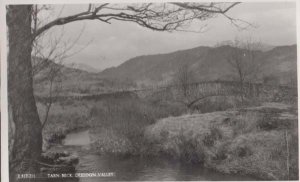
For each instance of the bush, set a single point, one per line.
(128, 117)
(215, 103)
(191, 151)
(272, 121)
(215, 133)
(185, 148)
(221, 152)
(268, 123)
(243, 151)
(245, 122)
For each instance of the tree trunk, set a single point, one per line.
(27, 138)
(242, 90)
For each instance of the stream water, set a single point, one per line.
(137, 168)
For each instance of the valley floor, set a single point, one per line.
(261, 141)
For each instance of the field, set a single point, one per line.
(253, 139)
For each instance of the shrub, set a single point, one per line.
(215, 103)
(215, 133)
(186, 148)
(272, 121)
(245, 122)
(243, 151)
(164, 135)
(191, 151)
(221, 152)
(128, 117)
(268, 123)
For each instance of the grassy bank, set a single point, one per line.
(252, 141)
(117, 124)
(63, 118)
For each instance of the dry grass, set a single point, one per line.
(232, 142)
(117, 123)
(262, 154)
(108, 141)
(249, 141)
(63, 118)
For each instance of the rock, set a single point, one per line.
(58, 162)
(59, 158)
(226, 120)
(68, 160)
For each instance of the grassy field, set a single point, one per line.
(252, 140)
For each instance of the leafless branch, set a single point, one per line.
(158, 17)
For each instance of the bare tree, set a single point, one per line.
(27, 145)
(184, 77)
(244, 62)
(53, 79)
(48, 55)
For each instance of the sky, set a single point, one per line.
(102, 45)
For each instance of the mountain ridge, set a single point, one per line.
(208, 63)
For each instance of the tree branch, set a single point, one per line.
(158, 17)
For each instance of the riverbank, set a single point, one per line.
(135, 168)
(124, 117)
(254, 141)
(64, 117)
(249, 141)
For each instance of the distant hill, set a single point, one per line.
(207, 63)
(72, 80)
(84, 67)
(257, 46)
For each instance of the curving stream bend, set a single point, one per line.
(137, 168)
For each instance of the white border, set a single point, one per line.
(3, 43)
(126, 1)
(4, 116)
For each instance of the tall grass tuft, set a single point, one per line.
(127, 118)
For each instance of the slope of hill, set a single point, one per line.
(207, 64)
(67, 81)
(154, 68)
(83, 67)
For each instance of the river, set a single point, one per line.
(137, 168)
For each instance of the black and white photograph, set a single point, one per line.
(149, 91)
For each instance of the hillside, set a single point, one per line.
(83, 67)
(68, 80)
(207, 63)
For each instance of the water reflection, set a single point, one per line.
(80, 138)
(137, 168)
(150, 169)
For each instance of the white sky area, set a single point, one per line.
(107, 45)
